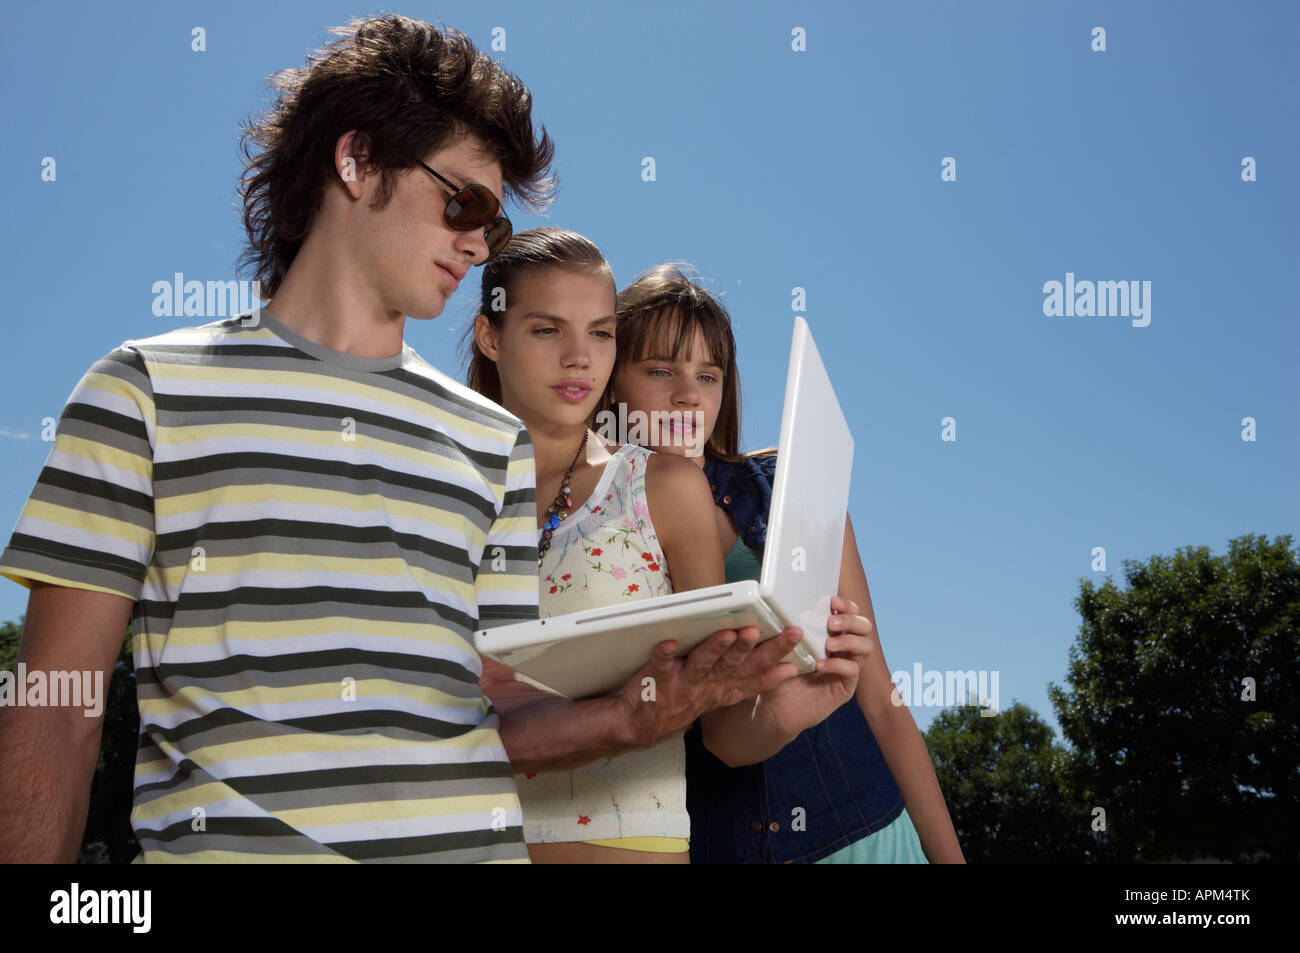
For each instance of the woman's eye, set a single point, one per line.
(607, 335)
(542, 332)
(658, 372)
(708, 378)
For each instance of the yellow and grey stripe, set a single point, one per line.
(310, 539)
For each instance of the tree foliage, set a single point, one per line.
(1002, 779)
(1183, 705)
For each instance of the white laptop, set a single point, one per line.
(595, 652)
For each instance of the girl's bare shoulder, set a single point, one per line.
(673, 474)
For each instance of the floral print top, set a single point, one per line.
(607, 552)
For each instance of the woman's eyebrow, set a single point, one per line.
(547, 316)
(670, 360)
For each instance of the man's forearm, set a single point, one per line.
(45, 774)
(555, 734)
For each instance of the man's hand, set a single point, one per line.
(545, 732)
(726, 668)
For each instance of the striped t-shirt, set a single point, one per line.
(310, 539)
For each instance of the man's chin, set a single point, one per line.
(429, 312)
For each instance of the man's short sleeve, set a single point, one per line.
(506, 584)
(89, 522)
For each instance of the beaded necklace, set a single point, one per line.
(559, 509)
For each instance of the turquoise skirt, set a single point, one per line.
(896, 843)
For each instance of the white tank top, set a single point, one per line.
(607, 552)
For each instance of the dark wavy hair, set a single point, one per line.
(409, 89)
(529, 251)
(658, 313)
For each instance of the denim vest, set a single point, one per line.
(826, 789)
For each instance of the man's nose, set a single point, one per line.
(472, 245)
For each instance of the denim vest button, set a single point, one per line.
(774, 827)
(756, 826)
(727, 499)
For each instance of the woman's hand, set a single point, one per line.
(749, 733)
(807, 700)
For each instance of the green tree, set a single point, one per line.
(11, 633)
(1183, 706)
(1002, 779)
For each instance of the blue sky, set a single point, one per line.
(778, 169)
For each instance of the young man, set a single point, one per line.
(304, 522)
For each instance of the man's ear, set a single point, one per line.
(485, 336)
(352, 161)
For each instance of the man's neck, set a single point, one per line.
(325, 298)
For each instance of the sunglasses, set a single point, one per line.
(473, 207)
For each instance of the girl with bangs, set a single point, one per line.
(617, 523)
(858, 787)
